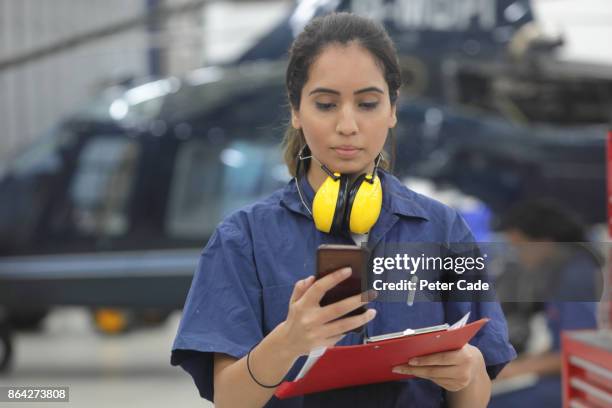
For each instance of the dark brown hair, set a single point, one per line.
(336, 28)
(543, 219)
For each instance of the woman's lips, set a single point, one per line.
(346, 151)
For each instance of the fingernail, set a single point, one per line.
(346, 271)
(371, 313)
(398, 370)
(414, 361)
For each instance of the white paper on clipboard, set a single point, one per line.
(313, 356)
(461, 322)
(316, 353)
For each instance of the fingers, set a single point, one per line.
(342, 307)
(318, 289)
(349, 323)
(452, 370)
(429, 372)
(449, 377)
(444, 358)
(300, 288)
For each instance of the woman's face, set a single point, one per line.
(345, 112)
(532, 253)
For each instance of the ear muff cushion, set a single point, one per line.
(339, 226)
(324, 204)
(365, 203)
(351, 197)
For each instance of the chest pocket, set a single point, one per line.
(275, 305)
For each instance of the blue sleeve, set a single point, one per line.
(492, 340)
(223, 310)
(576, 308)
(569, 316)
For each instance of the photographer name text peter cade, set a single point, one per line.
(414, 264)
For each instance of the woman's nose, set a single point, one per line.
(346, 122)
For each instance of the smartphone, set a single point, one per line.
(332, 257)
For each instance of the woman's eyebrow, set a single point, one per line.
(333, 91)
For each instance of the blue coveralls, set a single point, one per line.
(246, 273)
(577, 279)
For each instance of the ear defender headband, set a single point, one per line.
(340, 207)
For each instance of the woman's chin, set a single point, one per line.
(350, 168)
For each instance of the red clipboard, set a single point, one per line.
(347, 366)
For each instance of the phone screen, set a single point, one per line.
(333, 257)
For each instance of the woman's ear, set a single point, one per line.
(295, 120)
(393, 117)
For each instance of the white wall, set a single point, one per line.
(37, 94)
(34, 95)
(230, 28)
(586, 26)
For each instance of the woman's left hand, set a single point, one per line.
(451, 370)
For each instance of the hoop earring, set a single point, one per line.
(299, 155)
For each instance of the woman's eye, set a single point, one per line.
(369, 105)
(324, 106)
(327, 106)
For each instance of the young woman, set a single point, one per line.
(253, 311)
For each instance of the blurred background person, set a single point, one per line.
(561, 281)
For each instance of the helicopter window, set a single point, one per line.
(43, 156)
(209, 183)
(102, 185)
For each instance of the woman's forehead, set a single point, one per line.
(345, 68)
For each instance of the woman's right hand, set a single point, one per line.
(308, 325)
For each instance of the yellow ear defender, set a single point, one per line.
(340, 208)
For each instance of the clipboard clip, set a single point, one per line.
(413, 332)
(407, 332)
